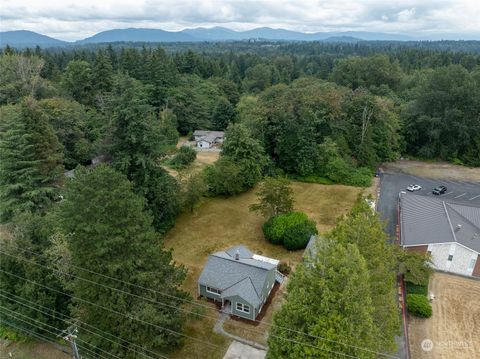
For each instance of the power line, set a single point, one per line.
(187, 336)
(81, 324)
(148, 299)
(114, 311)
(51, 326)
(37, 335)
(188, 301)
(31, 333)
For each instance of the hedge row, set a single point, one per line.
(419, 306)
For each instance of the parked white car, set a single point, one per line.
(414, 187)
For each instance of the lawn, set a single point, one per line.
(220, 223)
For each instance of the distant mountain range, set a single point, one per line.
(23, 38)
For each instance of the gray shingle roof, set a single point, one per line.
(244, 277)
(429, 220)
(215, 134)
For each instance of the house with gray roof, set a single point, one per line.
(208, 139)
(240, 280)
(448, 230)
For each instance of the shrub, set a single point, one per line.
(417, 288)
(293, 230)
(297, 236)
(224, 178)
(284, 268)
(360, 177)
(273, 231)
(419, 306)
(185, 156)
(313, 179)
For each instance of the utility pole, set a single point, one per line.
(70, 337)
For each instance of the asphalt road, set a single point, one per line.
(390, 186)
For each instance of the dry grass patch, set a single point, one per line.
(440, 170)
(220, 223)
(454, 327)
(32, 350)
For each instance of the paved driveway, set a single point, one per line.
(237, 350)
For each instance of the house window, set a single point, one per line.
(472, 263)
(243, 308)
(450, 257)
(213, 290)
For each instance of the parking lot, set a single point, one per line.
(392, 183)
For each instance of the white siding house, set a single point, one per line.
(449, 231)
(208, 139)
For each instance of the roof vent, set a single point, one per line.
(237, 255)
(459, 227)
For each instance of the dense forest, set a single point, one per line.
(326, 113)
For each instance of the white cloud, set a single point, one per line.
(406, 15)
(71, 20)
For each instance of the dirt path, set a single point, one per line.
(454, 328)
(443, 170)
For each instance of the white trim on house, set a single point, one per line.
(244, 308)
(213, 290)
(438, 244)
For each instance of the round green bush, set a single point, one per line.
(293, 230)
(184, 157)
(272, 231)
(419, 306)
(297, 236)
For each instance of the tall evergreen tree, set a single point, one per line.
(23, 245)
(110, 233)
(102, 72)
(223, 114)
(30, 160)
(136, 144)
(328, 298)
(77, 81)
(363, 228)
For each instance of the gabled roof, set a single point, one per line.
(429, 220)
(206, 133)
(244, 276)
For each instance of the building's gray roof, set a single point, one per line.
(245, 289)
(244, 277)
(209, 136)
(430, 220)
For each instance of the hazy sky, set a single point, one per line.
(72, 20)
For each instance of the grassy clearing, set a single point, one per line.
(204, 158)
(31, 350)
(219, 223)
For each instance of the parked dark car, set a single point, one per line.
(439, 190)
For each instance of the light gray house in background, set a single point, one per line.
(448, 230)
(208, 139)
(240, 280)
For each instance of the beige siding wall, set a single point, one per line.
(460, 262)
